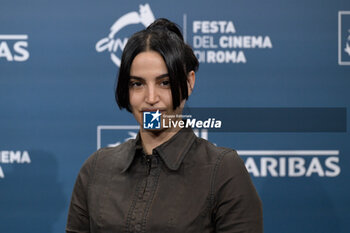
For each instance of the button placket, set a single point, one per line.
(145, 195)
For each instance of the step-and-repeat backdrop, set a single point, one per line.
(284, 62)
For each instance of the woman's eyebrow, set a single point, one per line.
(162, 76)
(158, 77)
(135, 77)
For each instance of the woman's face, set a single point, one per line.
(149, 86)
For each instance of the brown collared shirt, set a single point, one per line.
(186, 185)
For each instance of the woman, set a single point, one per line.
(165, 180)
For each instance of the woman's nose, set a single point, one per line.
(152, 96)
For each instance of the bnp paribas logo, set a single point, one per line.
(151, 120)
(344, 37)
(14, 48)
(115, 42)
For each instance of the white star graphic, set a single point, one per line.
(347, 49)
(155, 115)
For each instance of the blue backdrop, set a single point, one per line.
(59, 60)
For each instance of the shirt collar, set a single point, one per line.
(172, 151)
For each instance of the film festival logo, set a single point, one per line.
(14, 48)
(217, 41)
(113, 42)
(344, 38)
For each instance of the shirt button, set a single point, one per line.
(138, 227)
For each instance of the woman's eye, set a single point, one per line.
(165, 83)
(135, 84)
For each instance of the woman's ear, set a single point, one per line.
(191, 79)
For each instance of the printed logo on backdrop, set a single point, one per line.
(114, 135)
(219, 41)
(115, 42)
(344, 37)
(291, 163)
(14, 48)
(259, 163)
(9, 157)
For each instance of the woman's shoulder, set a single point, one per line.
(214, 150)
(106, 157)
(115, 151)
(207, 153)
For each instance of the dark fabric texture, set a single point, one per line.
(186, 185)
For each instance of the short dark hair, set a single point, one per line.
(165, 38)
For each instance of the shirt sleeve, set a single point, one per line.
(237, 206)
(78, 214)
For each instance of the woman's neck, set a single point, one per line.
(152, 139)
